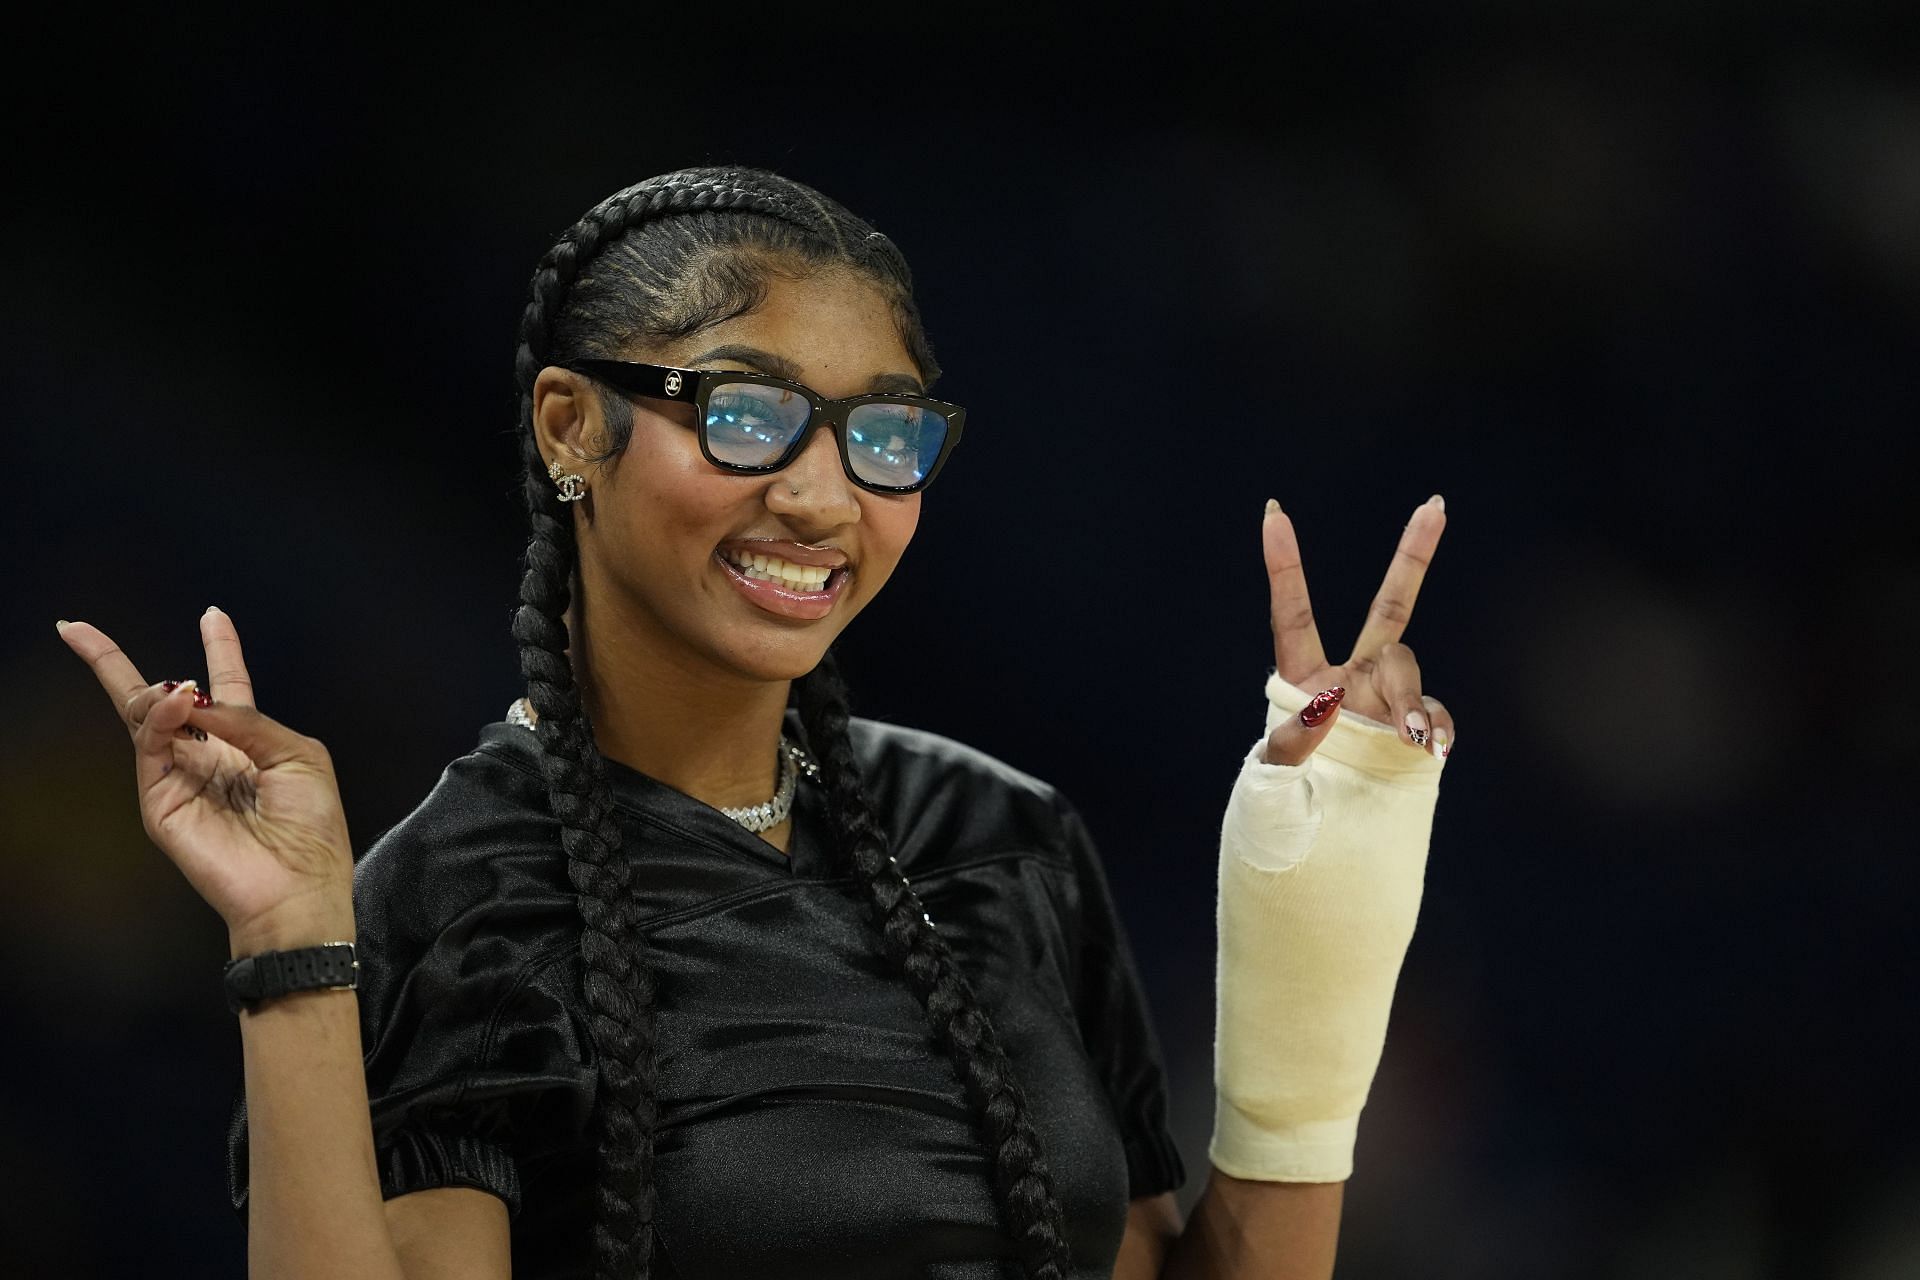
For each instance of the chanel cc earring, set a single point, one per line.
(572, 487)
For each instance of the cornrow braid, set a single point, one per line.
(662, 259)
(618, 980)
(1022, 1183)
(617, 976)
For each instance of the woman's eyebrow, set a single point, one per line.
(764, 361)
(780, 367)
(898, 383)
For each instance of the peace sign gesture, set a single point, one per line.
(245, 807)
(1380, 677)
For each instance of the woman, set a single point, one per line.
(621, 1013)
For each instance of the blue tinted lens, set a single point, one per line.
(751, 425)
(894, 444)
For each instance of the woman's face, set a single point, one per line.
(665, 535)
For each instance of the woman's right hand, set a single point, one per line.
(246, 808)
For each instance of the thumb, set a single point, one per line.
(265, 740)
(1296, 737)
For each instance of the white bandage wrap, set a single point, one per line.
(1321, 867)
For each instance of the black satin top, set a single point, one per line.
(808, 1124)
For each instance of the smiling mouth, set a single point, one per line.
(802, 579)
(805, 578)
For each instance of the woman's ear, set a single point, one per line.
(566, 417)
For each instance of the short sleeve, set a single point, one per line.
(478, 1064)
(475, 1071)
(1116, 1026)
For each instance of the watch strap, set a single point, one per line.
(252, 979)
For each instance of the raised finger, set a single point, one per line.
(1297, 651)
(227, 677)
(1392, 606)
(1441, 743)
(1396, 680)
(112, 668)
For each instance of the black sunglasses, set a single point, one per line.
(751, 423)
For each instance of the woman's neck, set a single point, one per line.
(712, 734)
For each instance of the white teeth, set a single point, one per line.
(765, 568)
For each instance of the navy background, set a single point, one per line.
(1635, 287)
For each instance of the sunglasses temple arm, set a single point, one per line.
(660, 382)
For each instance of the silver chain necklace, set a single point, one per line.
(756, 818)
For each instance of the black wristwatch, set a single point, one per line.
(251, 979)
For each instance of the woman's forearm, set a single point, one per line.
(1241, 1229)
(314, 1205)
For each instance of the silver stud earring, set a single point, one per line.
(572, 487)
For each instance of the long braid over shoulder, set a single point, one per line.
(1022, 1183)
(655, 262)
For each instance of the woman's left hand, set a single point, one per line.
(1381, 678)
(1321, 875)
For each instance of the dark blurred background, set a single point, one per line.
(1636, 287)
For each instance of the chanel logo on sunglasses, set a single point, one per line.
(673, 384)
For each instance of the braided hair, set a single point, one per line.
(658, 261)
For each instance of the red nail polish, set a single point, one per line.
(1322, 706)
(201, 698)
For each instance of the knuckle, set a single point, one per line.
(1391, 609)
(1293, 617)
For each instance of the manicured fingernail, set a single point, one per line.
(1322, 706)
(1273, 505)
(1417, 727)
(1437, 501)
(1440, 744)
(201, 698)
(61, 625)
(213, 608)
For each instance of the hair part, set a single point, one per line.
(672, 277)
(654, 263)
